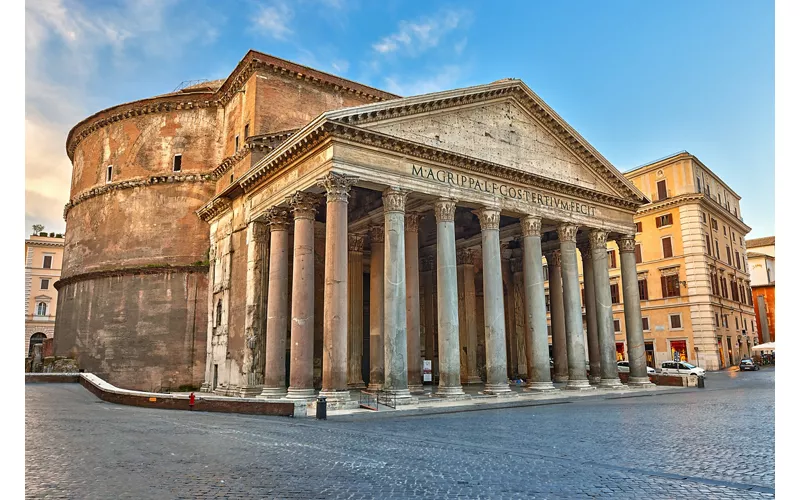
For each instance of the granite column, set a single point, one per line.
(633, 313)
(557, 319)
(573, 315)
(609, 376)
(355, 314)
(591, 313)
(413, 303)
(277, 305)
(376, 368)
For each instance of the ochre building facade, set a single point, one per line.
(285, 231)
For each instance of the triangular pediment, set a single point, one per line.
(503, 123)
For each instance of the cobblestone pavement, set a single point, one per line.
(699, 443)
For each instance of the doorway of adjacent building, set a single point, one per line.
(678, 350)
(36, 339)
(216, 375)
(730, 352)
(620, 351)
(720, 353)
(650, 354)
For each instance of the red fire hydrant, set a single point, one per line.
(191, 401)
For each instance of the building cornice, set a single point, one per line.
(130, 271)
(213, 208)
(45, 243)
(132, 183)
(265, 142)
(685, 199)
(680, 156)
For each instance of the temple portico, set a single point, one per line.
(432, 252)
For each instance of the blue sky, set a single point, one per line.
(639, 80)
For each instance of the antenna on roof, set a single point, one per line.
(189, 83)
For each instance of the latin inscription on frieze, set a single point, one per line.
(491, 187)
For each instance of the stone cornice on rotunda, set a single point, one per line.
(207, 96)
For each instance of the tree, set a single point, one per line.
(37, 228)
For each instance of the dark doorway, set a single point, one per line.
(650, 354)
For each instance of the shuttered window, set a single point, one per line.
(662, 189)
(638, 253)
(708, 245)
(639, 227)
(643, 289)
(728, 252)
(664, 220)
(612, 259)
(738, 262)
(617, 326)
(615, 293)
(714, 224)
(670, 286)
(675, 321)
(646, 324)
(666, 245)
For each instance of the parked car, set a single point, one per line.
(681, 368)
(625, 367)
(747, 364)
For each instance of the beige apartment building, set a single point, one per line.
(691, 260)
(43, 253)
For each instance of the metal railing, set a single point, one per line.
(387, 398)
(368, 400)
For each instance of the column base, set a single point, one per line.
(561, 378)
(250, 391)
(540, 387)
(449, 392)
(402, 396)
(374, 387)
(296, 393)
(416, 389)
(640, 383)
(498, 390)
(594, 380)
(335, 396)
(473, 379)
(356, 385)
(579, 385)
(610, 383)
(273, 392)
(206, 387)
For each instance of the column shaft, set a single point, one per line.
(376, 363)
(576, 349)
(468, 328)
(609, 377)
(255, 301)
(334, 352)
(355, 316)
(395, 346)
(496, 369)
(277, 305)
(447, 295)
(301, 368)
(591, 314)
(557, 320)
(535, 307)
(633, 314)
(413, 303)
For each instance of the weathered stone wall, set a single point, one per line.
(138, 331)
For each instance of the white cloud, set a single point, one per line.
(273, 20)
(340, 65)
(418, 36)
(445, 79)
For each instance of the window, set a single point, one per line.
(675, 322)
(36, 339)
(725, 320)
(724, 230)
(664, 220)
(714, 224)
(734, 291)
(583, 296)
(219, 312)
(716, 244)
(735, 212)
(646, 324)
(728, 252)
(176, 163)
(737, 323)
(744, 324)
(41, 309)
(724, 287)
(545, 273)
(714, 284)
(612, 259)
(699, 186)
(109, 173)
(716, 319)
(639, 227)
(637, 252)
(670, 286)
(643, 295)
(662, 190)
(231, 178)
(246, 131)
(615, 293)
(617, 326)
(47, 263)
(547, 301)
(708, 190)
(704, 218)
(236, 144)
(666, 246)
(738, 262)
(753, 324)
(45, 284)
(708, 245)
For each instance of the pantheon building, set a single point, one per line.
(285, 233)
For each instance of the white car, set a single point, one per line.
(625, 367)
(681, 368)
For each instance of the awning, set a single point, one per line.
(766, 346)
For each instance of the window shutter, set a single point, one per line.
(658, 221)
(638, 227)
(613, 259)
(666, 244)
(638, 253)
(664, 287)
(662, 190)
(669, 219)
(708, 245)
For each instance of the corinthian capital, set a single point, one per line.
(465, 256)
(412, 222)
(567, 232)
(355, 242)
(598, 238)
(445, 209)
(553, 258)
(427, 263)
(585, 250)
(376, 234)
(531, 226)
(626, 243)
(337, 185)
(303, 205)
(278, 219)
(489, 218)
(394, 200)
